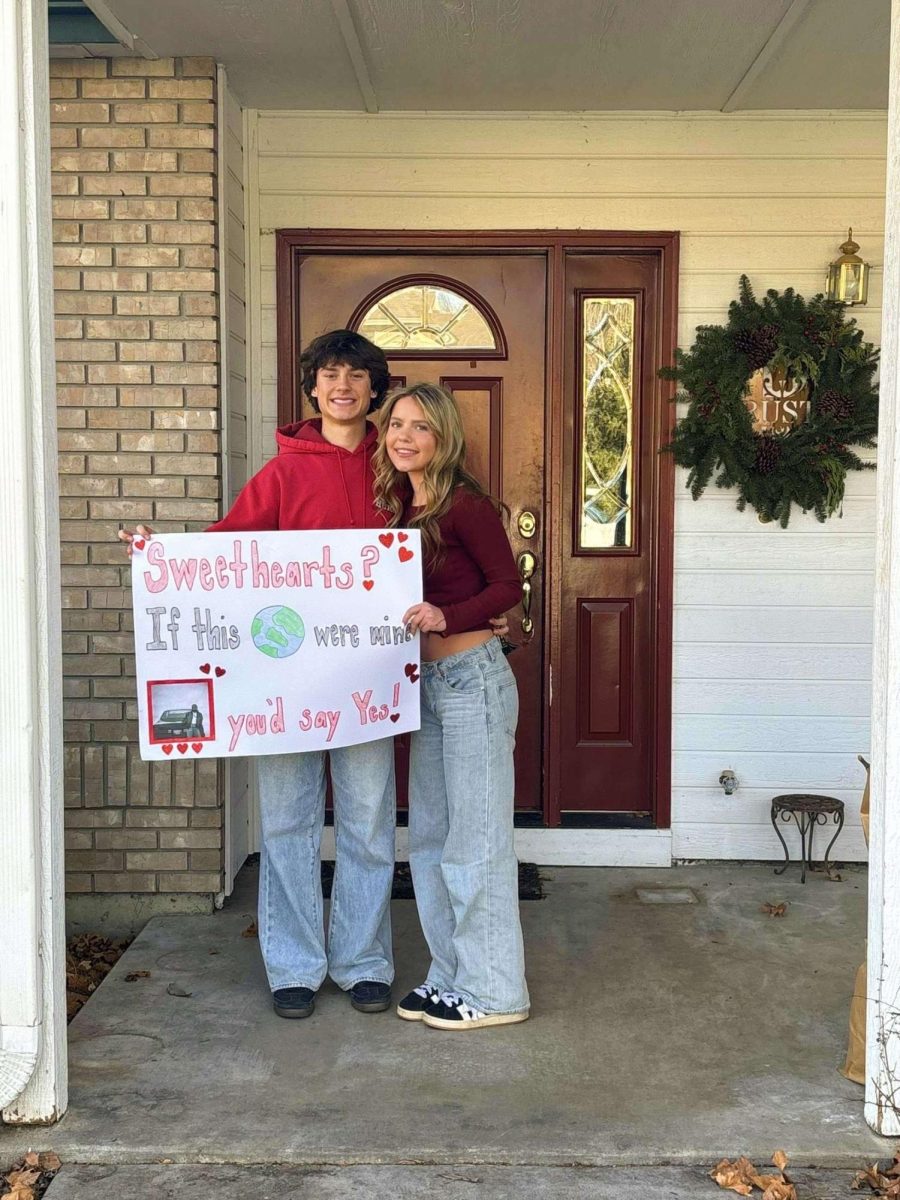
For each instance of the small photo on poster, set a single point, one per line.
(181, 708)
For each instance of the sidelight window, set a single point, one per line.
(606, 480)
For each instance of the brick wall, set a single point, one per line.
(134, 186)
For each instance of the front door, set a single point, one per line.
(550, 344)
(475, 325)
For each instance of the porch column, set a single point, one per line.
(32, 946)
(883, 1011)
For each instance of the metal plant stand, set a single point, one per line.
(807, 812)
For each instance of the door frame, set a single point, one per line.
(293, 244)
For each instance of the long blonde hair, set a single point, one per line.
(446, 471)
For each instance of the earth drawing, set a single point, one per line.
(277, 631)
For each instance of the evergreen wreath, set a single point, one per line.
(807, 464)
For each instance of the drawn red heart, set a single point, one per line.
(204, 667)
(182, 747)
(395, 716)
(220, 671)
(168, 748)
(402, 537)
(386, 539)
(368, 584)
(196, 747)
(411, 671)
(405, 555)
(138, 543)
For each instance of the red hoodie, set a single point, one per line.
(312, 484)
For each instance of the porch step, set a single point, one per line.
(273, 1182)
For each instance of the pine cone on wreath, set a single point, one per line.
(768, 454)
(757, 345)
(812, 333)
(835, 404)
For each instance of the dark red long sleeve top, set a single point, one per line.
(475, 576)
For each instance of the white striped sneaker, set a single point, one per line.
(412, 1006)
(452, 1012)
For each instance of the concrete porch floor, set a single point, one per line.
(661, 1034)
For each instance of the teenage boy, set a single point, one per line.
(322, 479)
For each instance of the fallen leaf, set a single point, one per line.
(774, 910)
(23, 1178)
(89, 958)
(780, 1189)
(29, 1178)
(742, 1177)
(870, 1175)
(765, 1181)
(881, 1183)
(133, 975)
(251, 930)
(734, 1176)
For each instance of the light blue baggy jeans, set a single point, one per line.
(462, 788)
(292, 811)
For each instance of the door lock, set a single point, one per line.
(526, 523)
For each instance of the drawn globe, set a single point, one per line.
(277, 631)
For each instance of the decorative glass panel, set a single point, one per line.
(606, 486)
(427, 317)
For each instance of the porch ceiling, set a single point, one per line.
(514, 55)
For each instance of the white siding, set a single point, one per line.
(772, 627)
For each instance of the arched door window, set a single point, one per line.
(429, 317)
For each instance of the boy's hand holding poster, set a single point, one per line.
(273, 643)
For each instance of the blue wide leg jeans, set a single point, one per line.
(462, 789)
(292, 810)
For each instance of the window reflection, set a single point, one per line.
(426, 317)
(607, 468)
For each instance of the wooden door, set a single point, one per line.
(477, 325)
(566, 418)
(612, 531)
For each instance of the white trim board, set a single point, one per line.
(569, 847)
(656, 847)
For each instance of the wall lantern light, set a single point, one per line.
(848, 276)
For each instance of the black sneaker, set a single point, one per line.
(412, 1006)
(452, 1012)
(370, 996)
(294, 1002)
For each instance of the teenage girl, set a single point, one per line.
(461, 786)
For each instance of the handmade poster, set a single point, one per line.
(271, 643)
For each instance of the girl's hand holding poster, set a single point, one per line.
(273, 643)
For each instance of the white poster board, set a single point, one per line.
(272, 643)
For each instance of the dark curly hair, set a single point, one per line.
(339, 348)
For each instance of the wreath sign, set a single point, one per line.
(810, 362)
